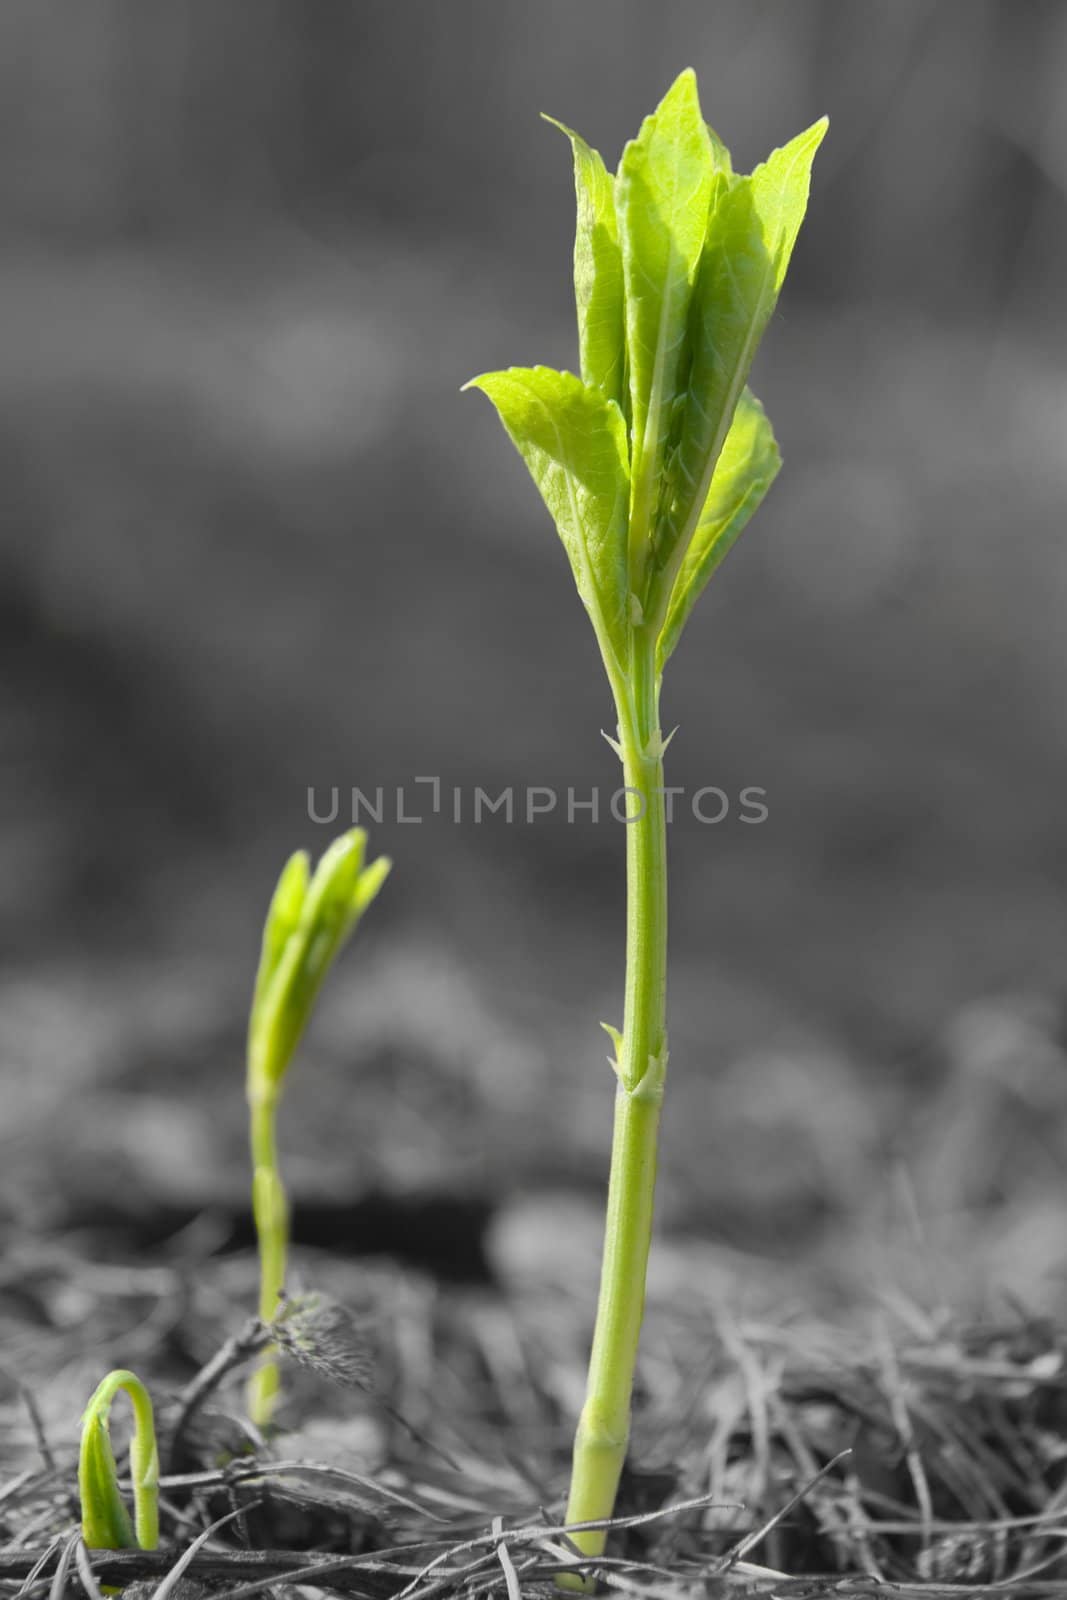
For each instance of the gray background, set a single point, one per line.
(254, 539)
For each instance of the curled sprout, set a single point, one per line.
(106, 1523)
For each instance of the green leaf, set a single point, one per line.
(746, 469)
(573, 440)
(597, 271)
(720, 156)
(325, 917)
(369, 885)
(106, 1523)
(283, 917)
(751, 234)
(307, 925)
(662, 194)
(616, 1038)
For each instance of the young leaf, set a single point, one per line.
(616, 1038)
(368, 887)
(597, 271)
(751, 235)
(662, 195)
(325, 916)
(106, 1523)
(283, 916)
(307, 924)
(746, 469)
(573, 440)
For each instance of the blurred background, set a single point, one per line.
(254, 541)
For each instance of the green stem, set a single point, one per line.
(270, 1209)
(604, 1426)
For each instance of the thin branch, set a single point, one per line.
(242, 1346)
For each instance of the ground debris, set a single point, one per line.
(908, 1453)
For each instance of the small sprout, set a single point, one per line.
(106, 1523)
(309, 920)
(650, 463)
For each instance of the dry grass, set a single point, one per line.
(913, 1454)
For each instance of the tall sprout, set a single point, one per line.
(651, 464)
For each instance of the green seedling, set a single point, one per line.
(651, 464)
(106, 1523)
(309, 920)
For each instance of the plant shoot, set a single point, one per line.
(651, 463)
(309, 920)
(106, 1523)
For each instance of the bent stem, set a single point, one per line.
(105, 1521)
(641, 1064)
(270, 1210)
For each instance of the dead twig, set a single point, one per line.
(248, 1342)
